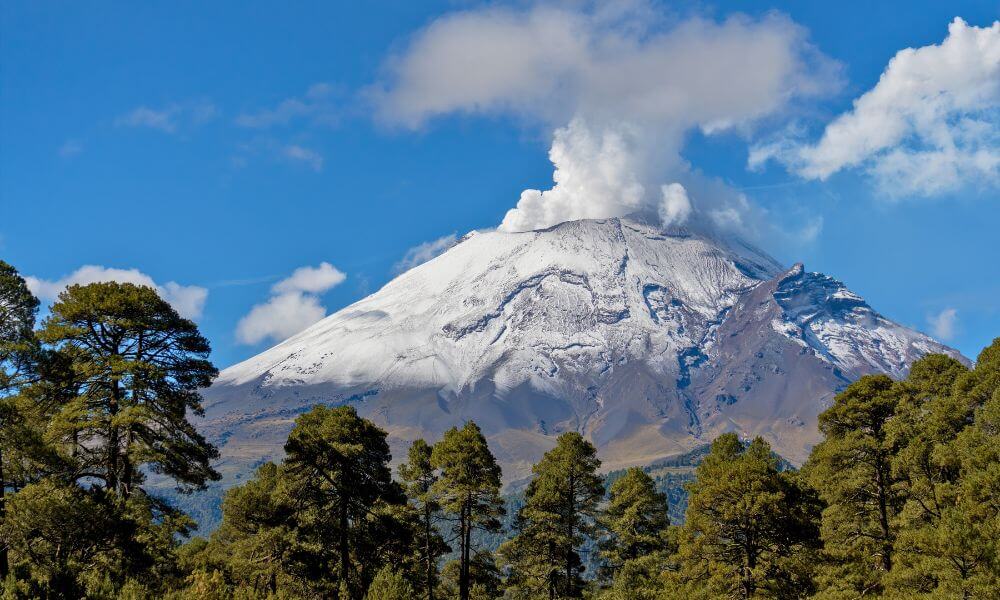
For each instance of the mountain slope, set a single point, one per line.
(649, 342)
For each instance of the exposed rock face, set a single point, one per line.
(648, 342)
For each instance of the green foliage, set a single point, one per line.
(321, 524)
(560, 513)
(468, 491)
(950, 523)
(418, 478)
(259, 546)
(900, 500)
(24, 455)
(750, 528)
(852, 471)
(389, 584)
(205, 585)
(82, 418)
(339, 464)
(637, 521)
(57, 533)
(18, 309)
(484, 578)
(638, 579)
(136, 366)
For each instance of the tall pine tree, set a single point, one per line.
(418, 477)
(559, 514)
(750, 529)
(468, 490)
(852, 471)
(137, 368)
(340, 465)
(946, 544)
(21, 446)
(636, 520)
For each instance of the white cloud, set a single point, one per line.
(318, 106)
(297, 153)
(313, 280)
(619, 87)
(279, 318)
(293, 306)
(930, 125)
(943, 324)
(424, 252)
(187, 300)
(170, 118)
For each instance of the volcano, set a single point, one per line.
(649, 342)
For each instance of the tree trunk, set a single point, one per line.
(748, 584)
(429, 575)
(463, 563)
(570, 518)
(113, 442)
(127, 467)
(466, 551)
(4, 568)
(345, 548)
(883, 514)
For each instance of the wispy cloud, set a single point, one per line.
(276, 150)
(70, 148)
(424, 252)
(297, 153)
(312, 280)
(244, 281)
(319, 106)
(168, 119)
(943, 323)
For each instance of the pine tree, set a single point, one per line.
(928, 419)
(851, 469)
(636, 519)
(418, 478)
(24, 454)
(137, 368)
(484, 578)
(468, 489)
(947, 533)
(61, 533)
(559, 514)
(749, 528)
(340, 464)
(389, 584)
(259, 545)
(977, 510)
(18, 310)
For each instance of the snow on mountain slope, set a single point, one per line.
(648, 342)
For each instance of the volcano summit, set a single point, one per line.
(648, 342)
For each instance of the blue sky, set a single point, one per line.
(224, 145)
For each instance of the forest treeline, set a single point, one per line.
(901, 499)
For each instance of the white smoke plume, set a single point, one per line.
(619, 86)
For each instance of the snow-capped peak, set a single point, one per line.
(647, 341)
